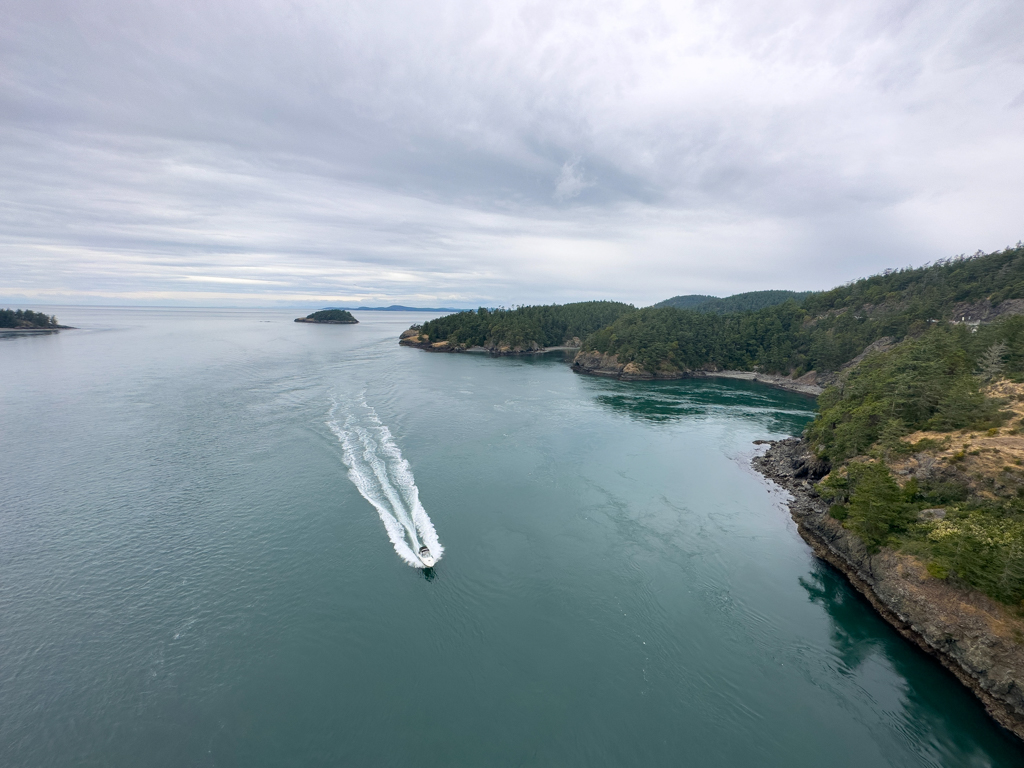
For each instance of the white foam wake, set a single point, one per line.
(383, 476)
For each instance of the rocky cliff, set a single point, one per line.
(977, 639)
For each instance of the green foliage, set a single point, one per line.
(939, 492)
(982, 546)
(839, 512)
(825, 330)
(930, 380)
(545, 326)
(332, 316)
(689, 301)
(676, 339)
(26, 318)
(924, 383)
(931, 291)
(992, 363)
(835, 487)
(740, 302)
(878, 508)
(985, 550)
(929, 444)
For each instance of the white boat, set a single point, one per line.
(426, 558)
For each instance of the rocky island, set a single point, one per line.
(329, 317)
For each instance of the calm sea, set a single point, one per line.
(204, 535)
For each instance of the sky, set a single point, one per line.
(436, 153)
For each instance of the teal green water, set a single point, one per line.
(189, 575)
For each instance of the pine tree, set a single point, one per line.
(990, 367)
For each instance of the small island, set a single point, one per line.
(329, 316)
(21, 320)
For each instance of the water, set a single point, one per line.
(197, 566)
(384, 479)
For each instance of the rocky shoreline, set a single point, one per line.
(52, 329)
(973, 636)
(413, 338)
(595, 363)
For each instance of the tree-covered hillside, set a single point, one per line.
(26, 318)
(740, 302)
(924, 447)
(932, 382)
(828, 329)
(523, 327)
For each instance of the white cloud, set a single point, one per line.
(408, 152)
(570, 181)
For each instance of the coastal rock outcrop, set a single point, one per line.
(979, 640)
(600, 364)
(597, 363)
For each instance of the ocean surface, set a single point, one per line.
(206, 530)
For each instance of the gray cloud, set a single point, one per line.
(265, 152)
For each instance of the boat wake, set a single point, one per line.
(377, 468)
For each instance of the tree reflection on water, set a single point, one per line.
(937, 715)
(666, 401)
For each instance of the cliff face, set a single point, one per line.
(973, 636)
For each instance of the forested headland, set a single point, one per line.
(520, 329)
(818, 331)
(26, 319)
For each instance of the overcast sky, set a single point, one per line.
(464, 153)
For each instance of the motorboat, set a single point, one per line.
(426, 558)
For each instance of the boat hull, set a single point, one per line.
(426, 557)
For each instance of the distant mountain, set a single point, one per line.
(741, 302)
(399, 308)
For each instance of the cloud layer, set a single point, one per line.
(474, 152)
